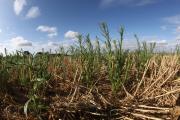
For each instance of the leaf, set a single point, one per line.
(26, 107)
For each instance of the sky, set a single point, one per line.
(36, 24)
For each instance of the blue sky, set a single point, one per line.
(36, 24)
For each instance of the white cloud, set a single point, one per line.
(178, 38)
(106, 3)
(145, 2)
(158, 41)
(19, 5)
(1, 44)
(51, 31)
(33, 12)
(19, 41)
(51, 35)
(178, 29)
(173, 19)
(0, 31)
(71, 35)
(53, 44)
(1, 48)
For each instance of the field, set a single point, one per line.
(88, 81)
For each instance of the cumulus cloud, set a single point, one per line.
(1, 45)
(145, 2)
(19, 6)
(178, 38)
(19, 41)
(178, 29)
(173, 19)
(1, 48)
(159, 42)
(72, 35)
(51, 35)
(53, 44)
(106, 3)
(51, 31)
(33, 12)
